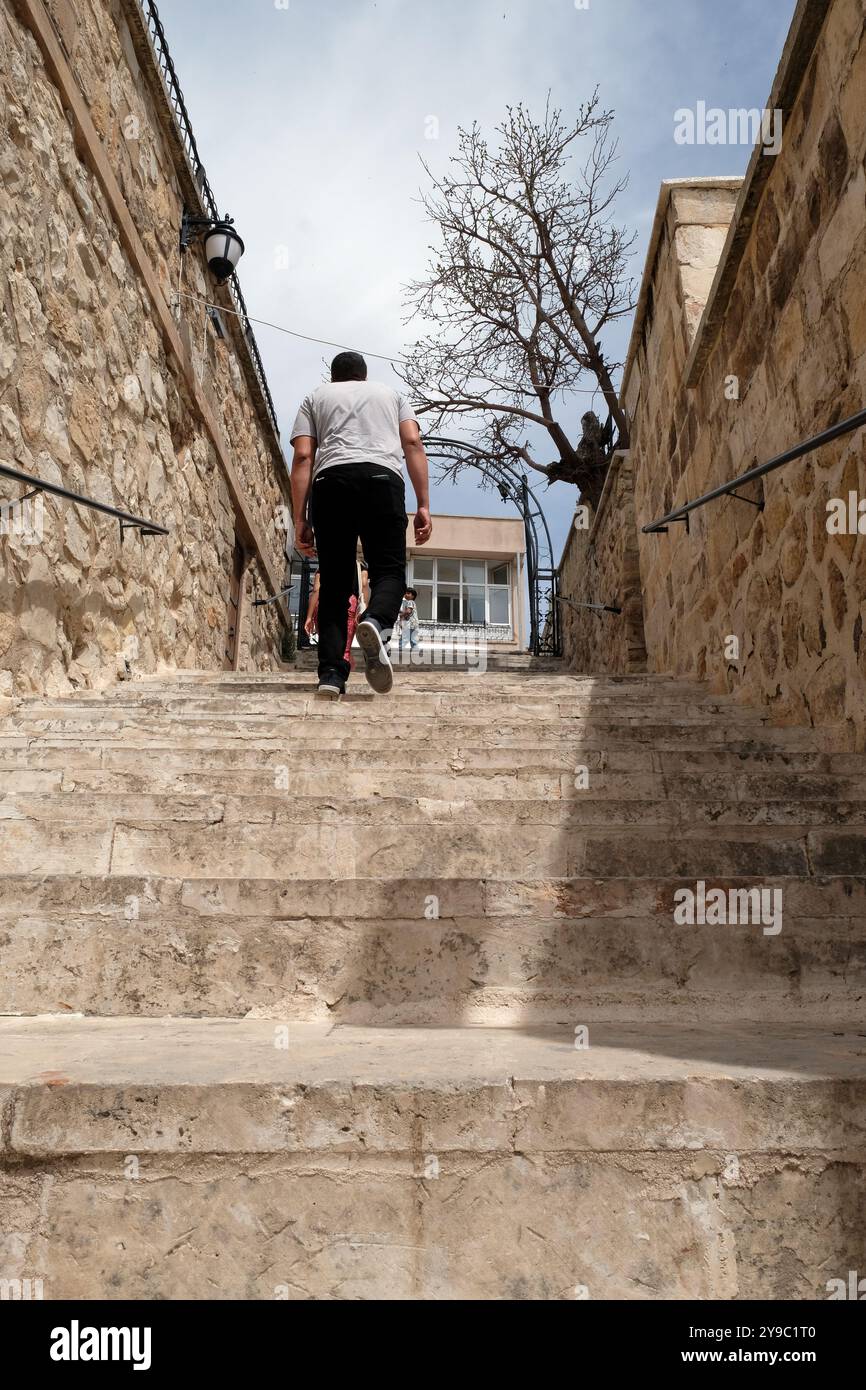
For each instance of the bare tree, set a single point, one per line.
(529, 271)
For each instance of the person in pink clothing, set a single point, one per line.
(356, 607)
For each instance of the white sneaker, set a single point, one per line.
(379, 672)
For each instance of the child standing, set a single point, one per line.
(407, 619)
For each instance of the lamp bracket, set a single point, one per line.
(193, 226)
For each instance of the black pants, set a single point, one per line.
(353, 501)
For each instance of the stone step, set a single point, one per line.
(21, 753)
(278, 693)
(562, 716)
(160, 1063)
(453, 784)
(368, 848)
(289, 807)
(484, 687)
(434, 949)
(451, 969)
(449, 659)
(407, 684)
(241, 1159)
(401, 898)
(276, 714)
(485, 690)
(520, 683)
(442, 733)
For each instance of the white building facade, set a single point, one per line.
(471, 581)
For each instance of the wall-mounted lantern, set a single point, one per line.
(222, 245)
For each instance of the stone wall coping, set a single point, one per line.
(806, 25)
(666, 189)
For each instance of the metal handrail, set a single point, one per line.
(156, 33)
(596, 607)
(853, 422)
(126, 519)
(274, 598)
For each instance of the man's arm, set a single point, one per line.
(302, 473)
(419, 473)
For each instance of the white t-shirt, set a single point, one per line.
(354, 422)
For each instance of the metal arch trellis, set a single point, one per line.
(545, 638)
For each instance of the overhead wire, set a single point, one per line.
(326, 342)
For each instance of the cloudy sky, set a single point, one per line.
(311, 116)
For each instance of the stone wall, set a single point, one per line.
(600, 565)
(775, 354)
(108, 383)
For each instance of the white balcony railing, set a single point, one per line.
(471, 633)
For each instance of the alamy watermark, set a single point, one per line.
(846, 516)
(17, 1290)
(713, 125)
(24, 519)
(719, 907)
(853, 1288)
(77, 1343)
(469, 652)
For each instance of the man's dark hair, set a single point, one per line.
(348, 366)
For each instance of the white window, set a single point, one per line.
(465, 591)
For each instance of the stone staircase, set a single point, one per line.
(388, 999)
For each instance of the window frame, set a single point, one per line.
(461, 583)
